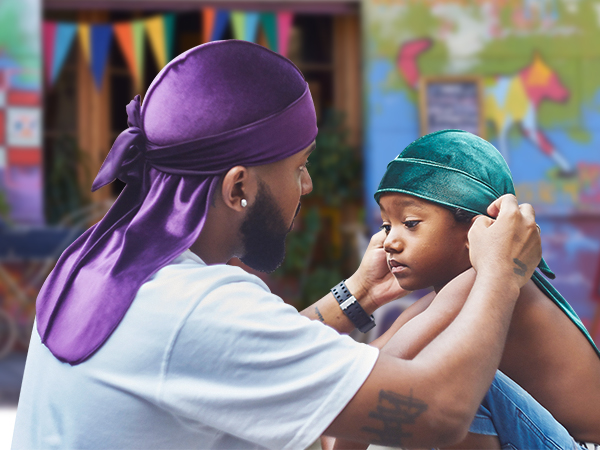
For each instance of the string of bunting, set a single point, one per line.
(95, 39)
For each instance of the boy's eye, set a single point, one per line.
(385, 227)
(411, 223)
(305, 165)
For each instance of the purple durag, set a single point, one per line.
(216, 106)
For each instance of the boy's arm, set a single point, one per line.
(408, 315)
(418, 332)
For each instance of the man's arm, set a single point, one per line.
(431, 399)
(414, 329)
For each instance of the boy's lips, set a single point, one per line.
(396, 267)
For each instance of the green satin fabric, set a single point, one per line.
(457, 169)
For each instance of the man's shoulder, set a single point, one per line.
(188, 277)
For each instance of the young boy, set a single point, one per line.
(428, 197)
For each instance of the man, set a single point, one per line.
(145, 338)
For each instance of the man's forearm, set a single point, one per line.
(327, 310)
(475, 340)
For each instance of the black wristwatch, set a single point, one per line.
(352, 308)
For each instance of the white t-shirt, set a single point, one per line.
(206, 357)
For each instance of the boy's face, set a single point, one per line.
(425, 246)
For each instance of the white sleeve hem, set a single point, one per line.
(333, 405)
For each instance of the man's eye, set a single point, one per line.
(411, 223)
(386, 228)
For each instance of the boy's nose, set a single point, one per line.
(392, 244)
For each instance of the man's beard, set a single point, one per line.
(264, 231)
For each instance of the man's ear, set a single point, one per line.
(238, 185)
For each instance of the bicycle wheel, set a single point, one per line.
(8, 334)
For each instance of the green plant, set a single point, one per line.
(313, 259)
(63, 193)
(335, 165)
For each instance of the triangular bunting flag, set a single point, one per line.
(155, 29)
(251, 26)
(269, 26)
(100, 45)
(169, 24)
(49, 36)
(208, 23)
(284, 27)
(124, 35)
(220, 24)
(83, 31)
(238, 23)
(139, 47)
(65, 33)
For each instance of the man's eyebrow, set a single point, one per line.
(310, 149)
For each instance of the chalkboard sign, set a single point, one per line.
(451, 102)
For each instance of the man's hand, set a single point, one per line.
(373, 279)
(508, 246)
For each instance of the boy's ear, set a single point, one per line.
(470, 225)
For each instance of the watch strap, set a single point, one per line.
(351, 308)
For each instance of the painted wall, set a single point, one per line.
(20, 112)
(540, 65)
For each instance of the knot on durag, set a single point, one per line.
(216, 106)
(457, 169)
(125, 160)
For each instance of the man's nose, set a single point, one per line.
(307, 185)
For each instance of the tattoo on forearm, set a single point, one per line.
(395, 411)
(521, 268)
(319, 315)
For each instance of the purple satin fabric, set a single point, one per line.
(169, 182)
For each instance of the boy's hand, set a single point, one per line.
(509, 246)
(373, 279)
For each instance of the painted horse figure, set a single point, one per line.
(515, 100)
(509, 100)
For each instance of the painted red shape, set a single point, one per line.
(23, 98)
(2, 129)
(24, 157)
(549, 87)
(48, 38)
(407, 60)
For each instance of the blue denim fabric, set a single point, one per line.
(518, 420)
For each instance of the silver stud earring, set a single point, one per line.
(244, 203)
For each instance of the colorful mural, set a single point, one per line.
(20, 113)
(539, 63)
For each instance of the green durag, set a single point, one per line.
(456, 169)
